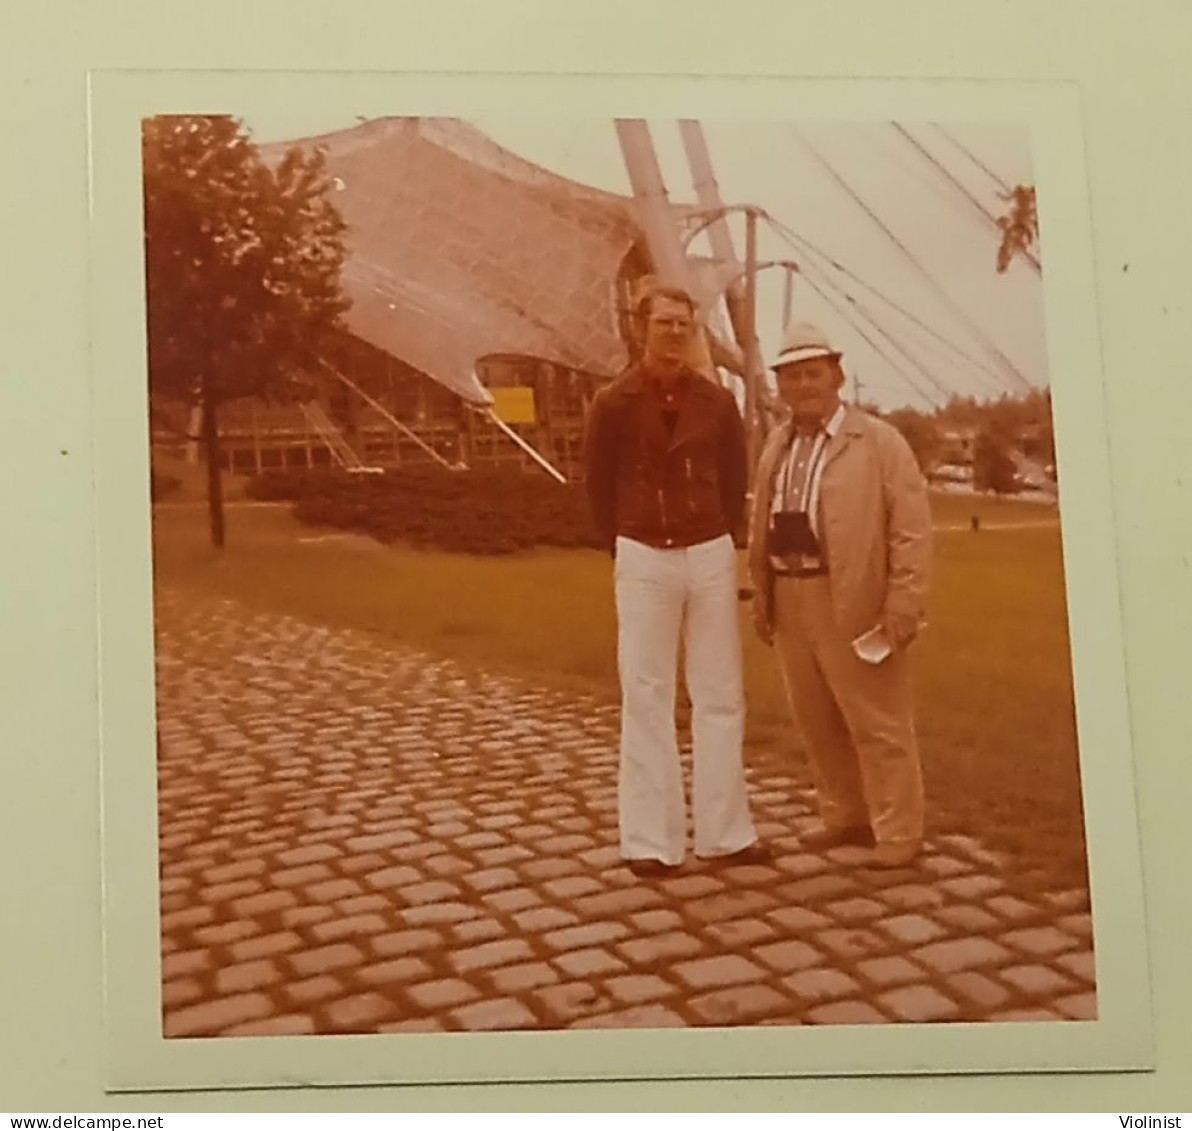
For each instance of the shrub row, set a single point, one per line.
(489, 512)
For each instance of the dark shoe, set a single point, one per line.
(755, 853)
(824, 837)
(896, 855)
(651, 869)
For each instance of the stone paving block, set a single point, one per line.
(978, 989)
(378, 842)
(818, 890)
(221, 893)
(412, 853)
(734, 933)
(539, 919)
(311, 990)
(326, 958)
(738, 1005)
(362, 904)
(221, 934)
(512, 900)
(919, 1003)
(653, 922)
(730, 905)
(945, 866)
(1082, 965)
(788, 955)
(443, 993)
(405, 942)
(341, 927)
(305, 874)
(1012, 908)
(413, 1025)
(357, 1013)
(911, 897)
(634, 989)
(506, 854)
(473, 931)
(972, 887)
(606, 856)
(185, 962)
(719, 971)
(285, 1025)
(691, 887)
(846, 1013)
(304, 916)
(262, 904)
(445, 866)
(499, 1014)
(853, 942)
(571, 1001)
(585, 935)
(1041, 942)
(797, 920)
(179, 992)
(188, 916)
(439, 913)
(589, 963)
(240, 870)
(1037, 1013)
(1037, 980)
(821, 984)
(621, 902)
(332, 891)
(431, 891)
(365, 863)
(1068, 902)
(244, 976)
(264, 946)
(890, 971)
(571, 887)
(1078, 1007)
(527, 976)
(1080, 925)
(674, 944)
(211, 1017)
(398, 876)
(308, 854)
(397, 971)
(492, 879)
(638, 1017)
(911, 929)
(969, 918)
(961, 954)
(531, 832)
(857, 910)
(503, 952)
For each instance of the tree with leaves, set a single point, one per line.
(993, 465)
(243, 267)
(1020, 227)
(921, 432)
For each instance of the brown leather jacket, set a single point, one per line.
(661, 489)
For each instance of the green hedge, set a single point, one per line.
(479, 512)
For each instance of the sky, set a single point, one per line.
(863, 195)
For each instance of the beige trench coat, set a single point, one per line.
(874, 524)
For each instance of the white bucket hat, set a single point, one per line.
(801, 342)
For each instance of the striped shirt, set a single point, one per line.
(797, 485)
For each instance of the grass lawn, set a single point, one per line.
(994, 679)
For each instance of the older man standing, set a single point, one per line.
(666, 476)
(840, 549)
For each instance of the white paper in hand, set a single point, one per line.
(873, 646)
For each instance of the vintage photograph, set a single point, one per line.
(607, 573)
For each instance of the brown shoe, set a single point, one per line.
(755, 853)
(897, 854)
(651, 869)
(825, 837)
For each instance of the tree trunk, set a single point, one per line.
(214, 479)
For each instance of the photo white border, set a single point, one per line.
(139, 1058)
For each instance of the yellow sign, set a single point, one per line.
(514, 405)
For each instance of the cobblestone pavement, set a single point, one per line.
(356, 838)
